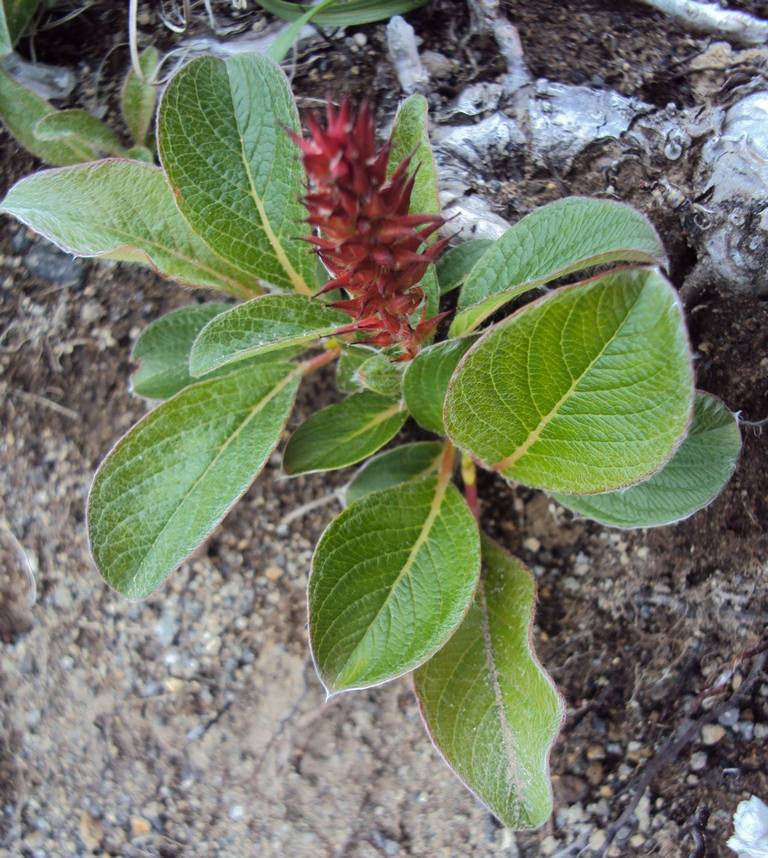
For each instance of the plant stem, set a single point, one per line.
(319, 361)
(469, 477)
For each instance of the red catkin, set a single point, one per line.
(373, 248)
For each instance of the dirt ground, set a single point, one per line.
(192, 724)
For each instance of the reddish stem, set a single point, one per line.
(319, 361)
(469, 476)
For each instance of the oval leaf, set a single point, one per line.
(587, 390)
(426, 381)
(139, 96)
(21, 110)
(236, 173)
(344, 434)
(488, 706)
(352, 358)
(456, 263)
(120, 210)
(168, 483)
(692, 478)
(392, 577)
(262, 325)
(381, 375)
(557, 239)
(410, 136)
(80, 127)
(392, 467)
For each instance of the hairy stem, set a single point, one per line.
(319, 361)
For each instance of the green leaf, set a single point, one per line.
(21, 110)
(163, 350)
(557, 239)
(692, 478)
(140, 153)
(80, 128)
(138, 97)
(381, 375)
(344, 434)
(392, 578)
(426, 381)
(168, 483)
(122, 210)
(456, 263)
(164, 346)
(392, 467)
(262, 325)
(352, 358)
(15, 17)
(344, 14)
(237, 175)
(587, 390)
(284, 42)
(410, 135)
(488, 705)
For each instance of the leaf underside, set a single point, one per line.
(489, 707)
(587, 390)
(560, 238)
(392, 577)
(692, 478)
(121, 210)
(175, 475)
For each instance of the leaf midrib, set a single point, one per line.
(248, 418)
(441, 487)
(535, 434)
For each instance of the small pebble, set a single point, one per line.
(532, 544)
(699, 761)
(140, 826)
(711, 734)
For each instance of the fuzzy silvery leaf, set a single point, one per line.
(121, 210)
(138, 96)
(750, 822)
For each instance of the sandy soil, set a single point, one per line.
(192, 724)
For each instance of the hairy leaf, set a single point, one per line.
(344, 434)
(426, 381)
(489, 707)
(457, 262)
(236, 173)
(379, 374)
(587, 390)
(392, 578)
(138, 97)
(78, 127)
(692, 478)
(21, 110)
(410, 136)
(262, 325)
(175, 475)
(352, 358)
(557, 239)
(348, 13)
(120, 210)
(392, 467)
